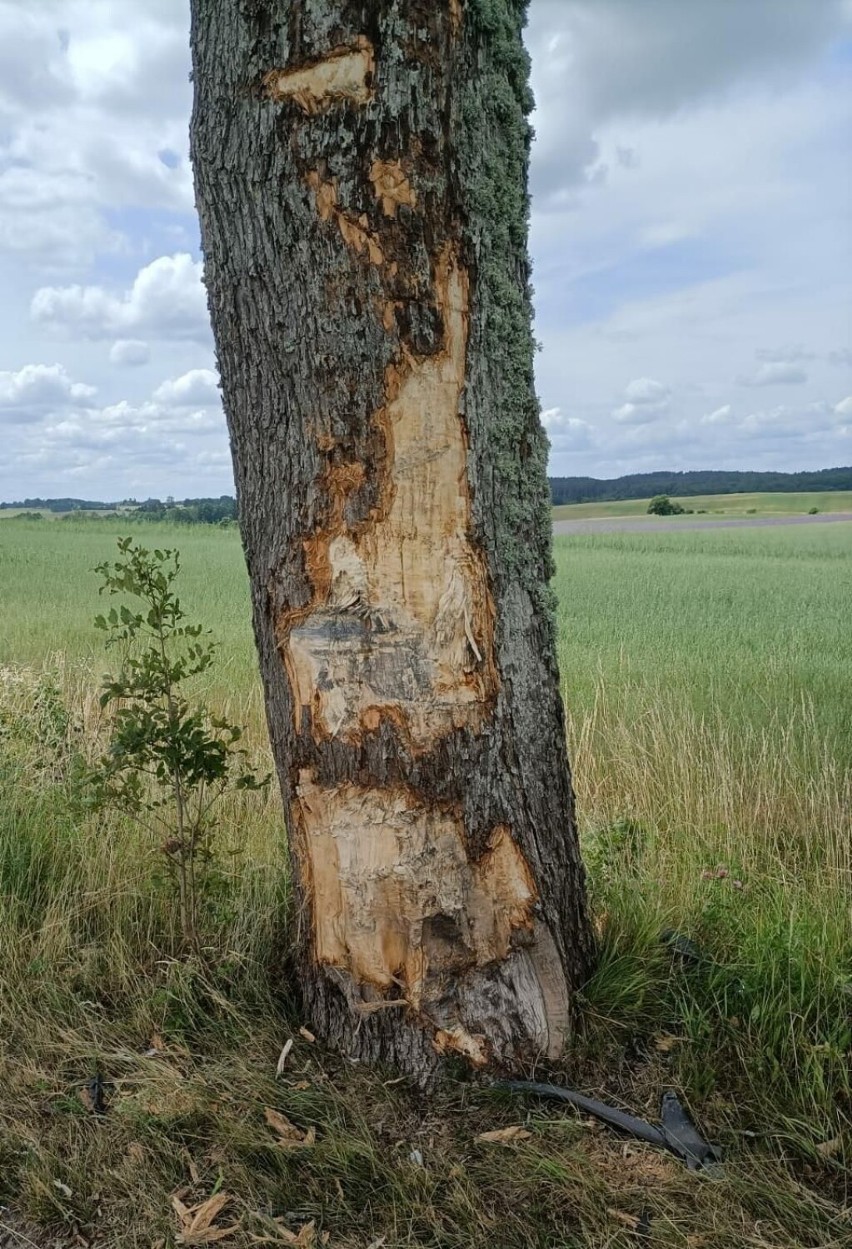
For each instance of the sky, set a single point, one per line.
(691, 239)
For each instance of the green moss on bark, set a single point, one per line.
(493, 176)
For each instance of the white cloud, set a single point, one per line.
(37, 389)
(783, 355)
(568, 433)
(173, 442)
(83, 118)
(197, 388)
(789, 422)
(129, 353)
(719, 416)
(645, 390)
(646, 400)
(781, 374)
(166, 300)
(600, 61)
(844, 408)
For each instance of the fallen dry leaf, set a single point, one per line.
(289, 1136)
(88, 1100)
(505, 1136)
(828, 1149)
(308, 1036)
(665, 1043)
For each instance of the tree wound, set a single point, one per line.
(346, 74)
(355, 231)
(455, 16)
(406, 919)
(401, 623)
(392, 186)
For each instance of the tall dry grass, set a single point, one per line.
(705, 809)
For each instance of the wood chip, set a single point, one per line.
(282, 1057)
(305, 1238)
(209, 1237)
(308, 1036)
(626, 1220)
(505, 1136)
(204, 1214)
(196, 1222)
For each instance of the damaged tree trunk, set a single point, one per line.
(361, 171)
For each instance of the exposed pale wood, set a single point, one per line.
(402, 623)
(391, 185)
(344, 74)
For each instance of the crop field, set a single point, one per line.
(718, 506)
(708, 682)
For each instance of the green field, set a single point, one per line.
(708, 680)
(719, 506)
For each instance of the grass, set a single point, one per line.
(707, 680)
(718, 505)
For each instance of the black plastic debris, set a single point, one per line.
(681, 1135)
(685, 949)
(643, 1227)
(676, 1133)
(94, 1094)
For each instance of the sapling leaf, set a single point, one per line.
(166, 762)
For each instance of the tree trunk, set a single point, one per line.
(361, 173)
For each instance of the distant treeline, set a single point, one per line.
(61, 505)
(190, 511)
(686, 485)
(563, 490)
(183, 511)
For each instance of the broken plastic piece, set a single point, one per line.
(677, 1133)
(93, 1094)
(681, 1136)
(685, 949)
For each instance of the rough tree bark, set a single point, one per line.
(361, 176)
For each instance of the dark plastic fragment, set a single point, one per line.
(681, 1136)
(95, 1090)
(677, 1133)
(682, 946)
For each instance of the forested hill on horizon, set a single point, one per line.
(563, 490)
(685, 485)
